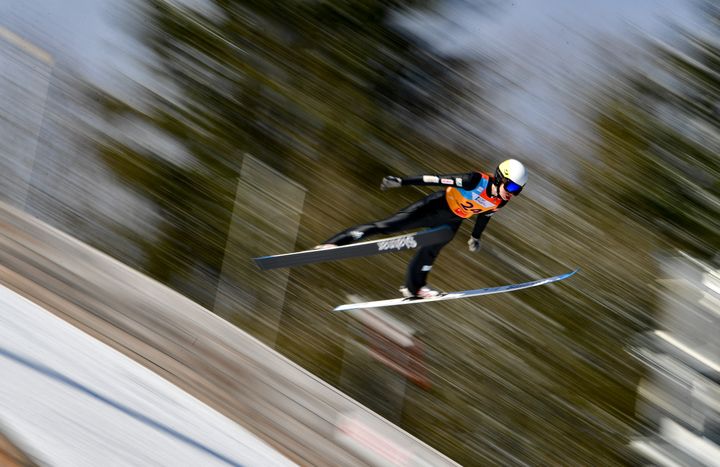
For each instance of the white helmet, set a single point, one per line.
(512, 174)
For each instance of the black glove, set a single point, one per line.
(474, 244)
(390, 182)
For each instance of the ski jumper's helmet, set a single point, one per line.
(512, 174)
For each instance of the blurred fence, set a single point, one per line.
(300, 415)
(680, 397)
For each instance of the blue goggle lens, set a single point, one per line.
(512, 187)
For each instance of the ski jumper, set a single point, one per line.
(465, 195)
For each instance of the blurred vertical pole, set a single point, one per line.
(25, 75)
(265, 220)
(382, 355)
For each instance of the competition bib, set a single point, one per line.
(467, 203)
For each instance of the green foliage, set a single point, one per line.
(331, 95)
(311, 88)
(660, 138)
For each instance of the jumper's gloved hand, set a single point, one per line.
(390, 182)
(474, 244)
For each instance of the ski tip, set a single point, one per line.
(568, 274)
(452, 295)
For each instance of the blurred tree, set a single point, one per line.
(326, 90)
(660, 137)
(333, 93)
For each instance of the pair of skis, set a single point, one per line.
(393, 244)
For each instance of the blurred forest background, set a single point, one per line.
(333, 95)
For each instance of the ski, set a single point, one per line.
(373, 247)
(455, 295)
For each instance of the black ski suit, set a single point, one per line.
(431, 211)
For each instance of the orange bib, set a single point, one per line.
(467, 203)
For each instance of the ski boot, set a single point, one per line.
(423, 292)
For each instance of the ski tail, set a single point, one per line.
(411, 241)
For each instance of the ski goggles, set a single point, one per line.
(512, 187)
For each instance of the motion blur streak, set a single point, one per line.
(183, 138)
